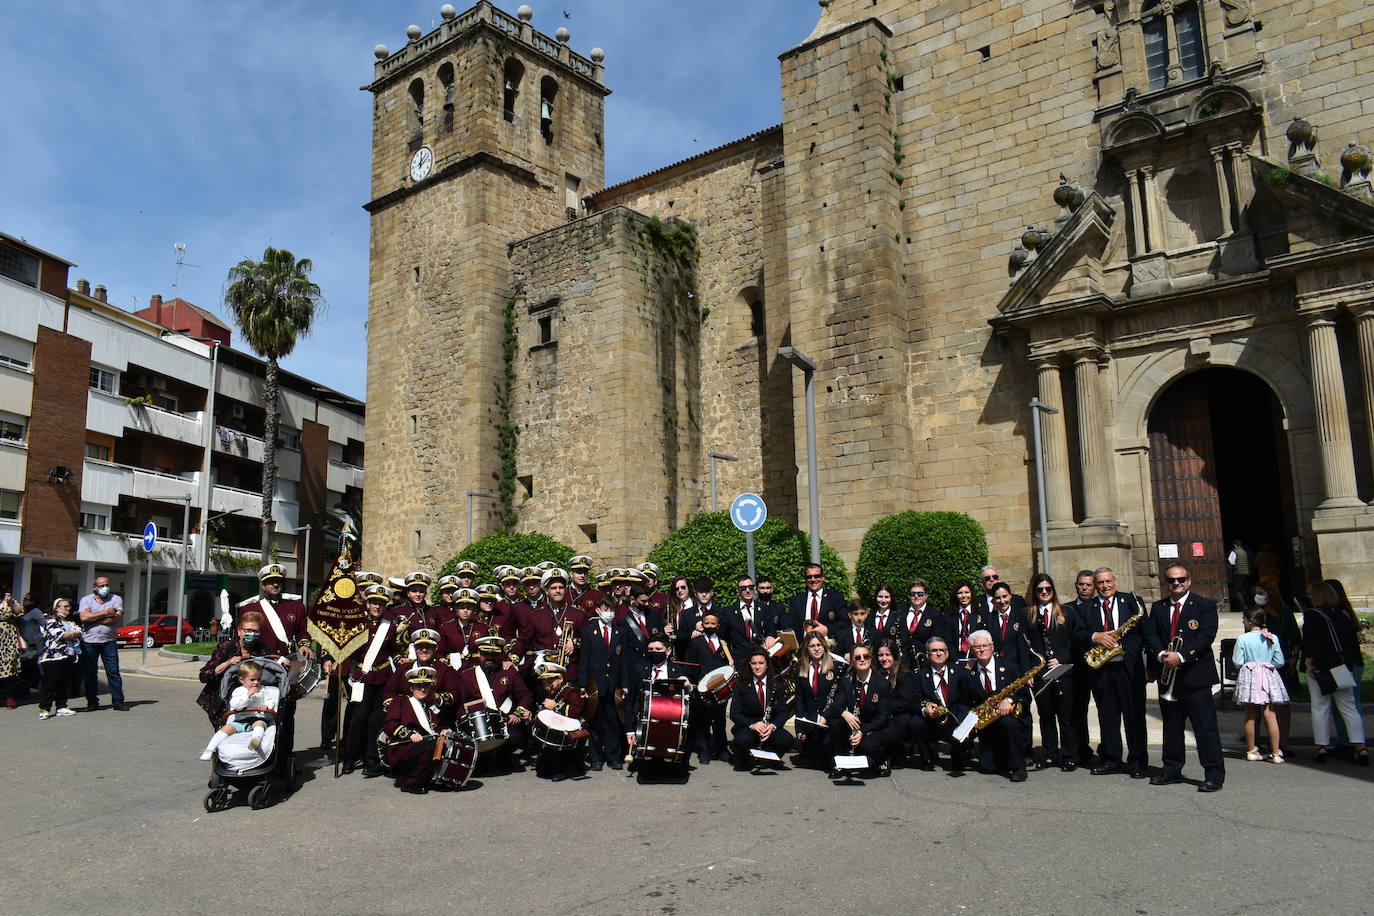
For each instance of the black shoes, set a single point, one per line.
(596, 767)
(1209, 786)
(1139, 774)
(1018, 776)
(121, 707)
(371, 772)
(1107, 769)
(615, 765)
(1165, 779)
(1069, 767)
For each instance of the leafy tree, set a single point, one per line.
(940, 547)
(509, 548)
(710, 545)
(274, 303)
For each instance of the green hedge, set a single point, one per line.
(940, 547)
(710, 545)
(505, 548)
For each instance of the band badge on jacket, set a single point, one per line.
(927, 623)
(830, 675)
(1192, 624)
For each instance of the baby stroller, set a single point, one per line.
(236, 767)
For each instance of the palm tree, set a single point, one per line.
(274, 303)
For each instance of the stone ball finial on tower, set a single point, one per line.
(447, 11)
(598, 55)
(1068, 195)
(381, 52)
(525, 12)
(562, 35)
(413, 32)
(1301, 134)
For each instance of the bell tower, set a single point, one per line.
(484, 132)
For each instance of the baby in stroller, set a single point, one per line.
(247, 706)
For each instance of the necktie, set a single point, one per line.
(1173, 623)
(882, 622)
(748, 623)
(815, 606)
(1046, 610)
(815, 677)
(713, 643)
(863, 693)
(758, 685)
(858, 636)
(915, 617)
(1107, 615)
(606, 635)
(963, 633)
(944, 687)
(987, 681)
(1004, 628)
(659, 673)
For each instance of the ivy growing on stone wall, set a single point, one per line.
(507, 434)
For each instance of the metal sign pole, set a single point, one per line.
(749, 551)
(147, 611)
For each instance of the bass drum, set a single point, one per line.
(486, 728)
(454, 761)
(662, 732)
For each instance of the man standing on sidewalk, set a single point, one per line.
(101, 613)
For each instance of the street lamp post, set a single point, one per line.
(808, 367)
(474, 494)
(1036, 408)
(303, 561)
(717, 456)
(185, 500)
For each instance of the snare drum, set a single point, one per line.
(556, 731)
(662, 732)
(486, 727)
(717, 684)
(454, 760)
(303, 676)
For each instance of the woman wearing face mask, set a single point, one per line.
(242, 645)
(1283, 623)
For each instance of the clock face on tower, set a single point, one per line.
(421, 164)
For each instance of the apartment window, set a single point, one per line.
(95, 521)
(18, 265)
(12, 430)
(15, 352)
(97, 451)
(102, 380)
(9, 504)
(290, 439)
(1174, 45)
(166, 402)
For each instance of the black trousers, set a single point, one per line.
(1082, 692)
(1055, 707)
(1195, 704)
(607, 733)
(927, 735)
(1119, 692)
(362, 722)
(872, 745)
(1000, 745)
(57, 677)
(746, 739)
(708, 726)
(329, 718)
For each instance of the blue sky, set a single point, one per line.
(132, 125)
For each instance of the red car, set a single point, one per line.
(162, 629)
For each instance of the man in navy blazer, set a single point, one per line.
(603, 665)
(815, 603)
(1178, 637)
(1118, 686)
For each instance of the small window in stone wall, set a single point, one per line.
(417, 100)
(548, 91)
(590, 532)
(446, 82)
(1175, 48)
(545, 329)
(513, 73)
(545, 316)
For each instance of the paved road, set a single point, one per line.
(132, 836)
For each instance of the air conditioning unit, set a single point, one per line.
(159, 383)
(236, 411)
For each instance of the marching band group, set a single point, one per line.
(569, 673)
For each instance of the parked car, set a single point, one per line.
(162, 629)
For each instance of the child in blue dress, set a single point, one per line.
(1259, 685)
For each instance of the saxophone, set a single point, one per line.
(987, 710)
(1097, 656)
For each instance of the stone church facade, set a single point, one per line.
(1153, 216)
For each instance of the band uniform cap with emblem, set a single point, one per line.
(364, 578)
(466, 596)
(424, 636)
(418, 578)
(395, 583)
(606, 580)
(491, 644)
(634, 577)
(466, 568)
(271, 571)
(489, 591)
(649, 569)
(545, 565)
(378, 591)
(551, 670)
(580, 563)
(448, 582)
(421, 674)
(553, 575)
(530, 574)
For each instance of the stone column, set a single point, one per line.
(1364, 329)
(1092, 444)
(1155, 229)
(1058, 495)
(1245, 185)
(1223, 188)
(1333, 420)
(1137, 212)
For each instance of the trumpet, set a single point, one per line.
(1097, 656)
(1169, 676)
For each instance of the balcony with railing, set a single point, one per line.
(285, 512)
(104, 482)
(341, 476)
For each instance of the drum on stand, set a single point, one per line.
(662, 732)
(556, 731)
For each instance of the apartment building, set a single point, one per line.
(110, 420)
